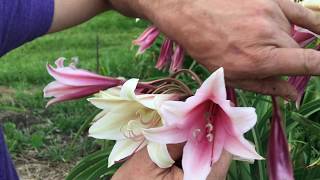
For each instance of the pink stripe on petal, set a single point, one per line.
(196, 160)
(76, 94)
(146, 39)
(166, 53)
(145, 34)
(177, 59)
(76, 77)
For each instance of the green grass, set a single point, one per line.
(23, 72)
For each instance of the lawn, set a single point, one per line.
(42, 138)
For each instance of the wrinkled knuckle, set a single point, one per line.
(310, 58)
(265, 9)
(265, 28)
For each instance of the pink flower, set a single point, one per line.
(177, 59)
(166, 53)
(279, 162)
(208, 123)
(146, 39)
(303, 36)
(72, 83)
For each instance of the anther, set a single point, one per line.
(209, 127)
(196, 133)
(210, 137)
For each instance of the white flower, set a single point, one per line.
(124, 118)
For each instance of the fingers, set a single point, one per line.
(141, 167)
(300, 15)
(220, 168)
(293, 61)
(270, 86)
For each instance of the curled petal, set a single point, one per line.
(146, 39)
(128, 88)
(159, 154)
(123, 149)
(60, 62)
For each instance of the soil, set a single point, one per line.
(28, 166)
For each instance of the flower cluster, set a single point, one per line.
(154, 114)
(166, 111)
(171, 53)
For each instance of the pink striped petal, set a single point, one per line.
(146, 39)
(75, 93)
(166, 53)
(177, 59)
(79, 77)
(196, 160)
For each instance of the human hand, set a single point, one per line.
(251, 39)
(140, 167)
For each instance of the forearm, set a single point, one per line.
(134, 8)
(68, 13)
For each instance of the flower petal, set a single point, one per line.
(235, 143)
(166, 135)
(218, 143)
(213, 87)
(165, 54)
(147, 38)
(123, 149)
(196, 160)
(110, 126)
(243, 118)
(128, 88)
(71, 94)
(159, 154)
(80, 77)
(177, 59)
(241, 147)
